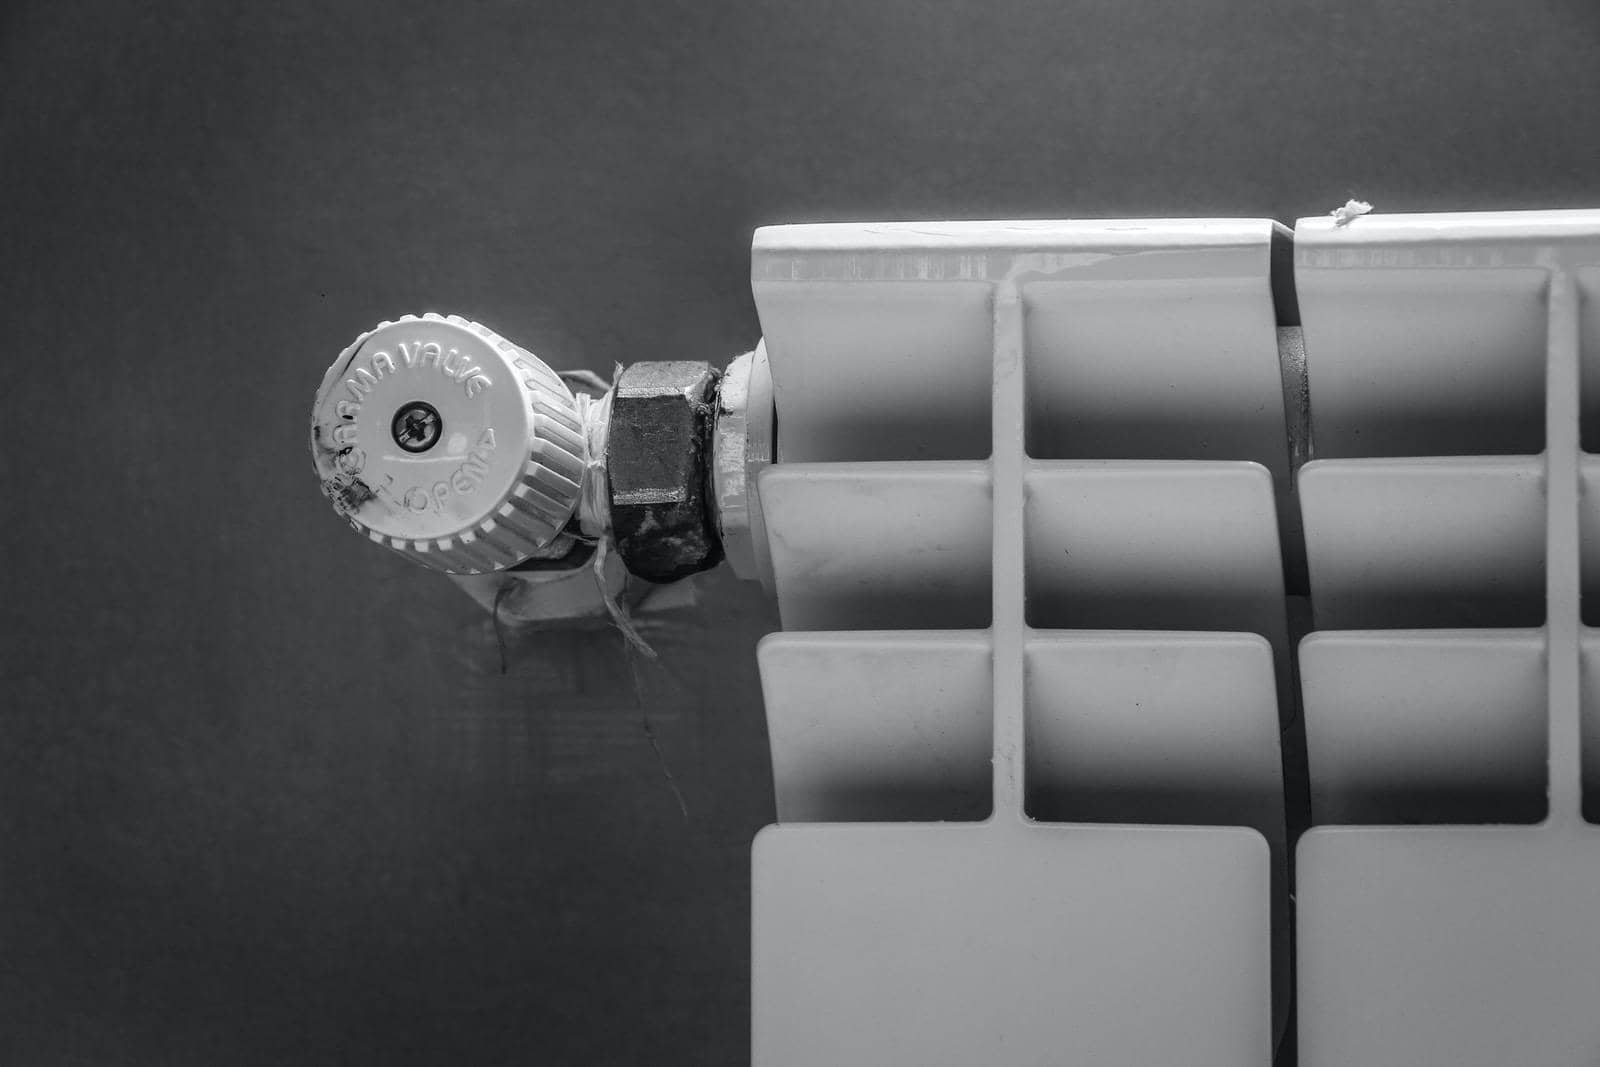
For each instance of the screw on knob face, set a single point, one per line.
(417, 426)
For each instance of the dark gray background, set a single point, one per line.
(264, 795)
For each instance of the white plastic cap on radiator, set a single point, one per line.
(438, 438)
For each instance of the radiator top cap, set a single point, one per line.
(440, 439)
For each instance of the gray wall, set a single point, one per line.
(265, 796)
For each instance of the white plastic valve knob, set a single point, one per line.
(439, 439)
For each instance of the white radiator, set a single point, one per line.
(1036, 493)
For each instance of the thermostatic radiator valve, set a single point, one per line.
(439, 439)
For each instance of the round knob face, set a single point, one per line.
(440, 439)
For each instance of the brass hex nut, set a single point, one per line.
(657, 464)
